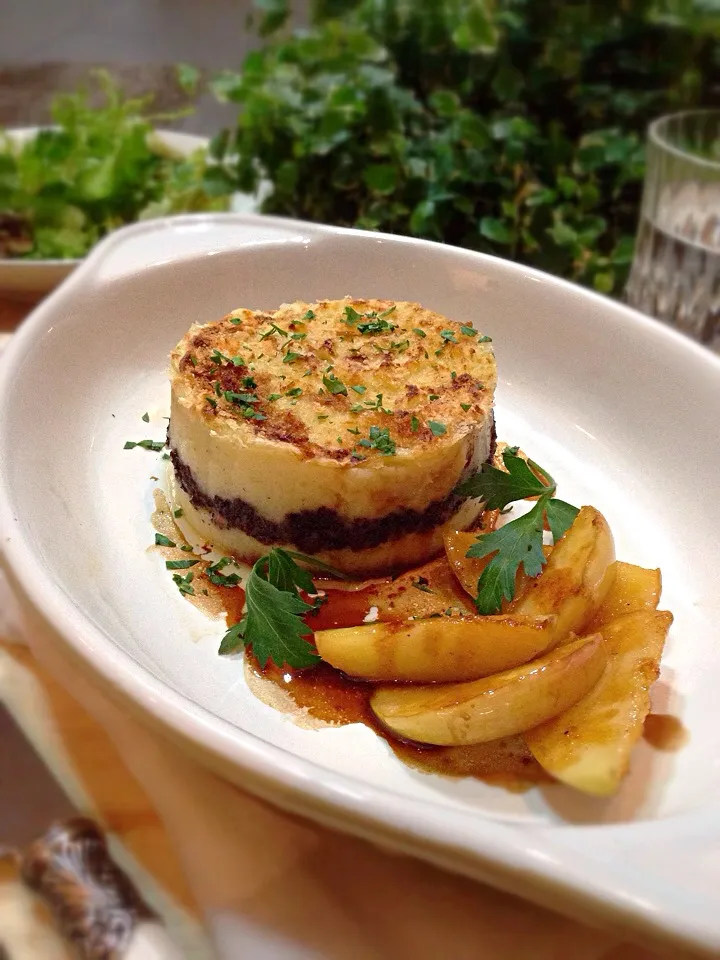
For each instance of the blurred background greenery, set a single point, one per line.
(514, 127)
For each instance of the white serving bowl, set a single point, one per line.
(31, 279)
(623, 411)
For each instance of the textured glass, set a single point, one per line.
(675, 274)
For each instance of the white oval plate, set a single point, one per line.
(30, 279)
(621, 409)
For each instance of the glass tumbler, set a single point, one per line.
(675, 274)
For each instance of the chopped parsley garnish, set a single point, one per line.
(145, 417)
(298, 336)
(193, 360)
(414, 424)
(236, 320)
(521, 540)
(242, 399)
(378, 325)
(274, 396)
(274, 623)
(376, 404)
(274, 328)
(448, 336)
(437, 428)
(162, 541)
(419, 332)
(485, 340)
(468, 331)
(295, 392)
(218, 388)
(218, 357)
(220, 579)
(333, 385)
(358, 388)
(212, 402)
(166, 456)
(309, 315)
(291, 357)
(180, 564)
(155, 445)
(357, 408)
(186, 548)
(380, 440)
(353, 430)
(183, 583)
(376, 321)
(401, 346)
(177, 513)
(421, 584)
(466, 406)
(323, 416)
(434, 396)
(357, 456)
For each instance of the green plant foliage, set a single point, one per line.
(514, 127)
(95, 169)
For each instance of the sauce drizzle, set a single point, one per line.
(334, 698)
(665, 732)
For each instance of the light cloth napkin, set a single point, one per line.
(272, 887)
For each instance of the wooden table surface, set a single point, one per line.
(13, 312)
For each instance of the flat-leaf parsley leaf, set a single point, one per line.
(519, 542)
(274, 622)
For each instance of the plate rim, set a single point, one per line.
(515, 857)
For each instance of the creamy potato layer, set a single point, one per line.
(338, 428)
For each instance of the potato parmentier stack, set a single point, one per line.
(339, 429)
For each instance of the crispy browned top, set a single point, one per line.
(346, 379)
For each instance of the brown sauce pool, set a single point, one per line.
(334, 698)
(665, 732)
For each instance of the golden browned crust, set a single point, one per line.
(289, 375)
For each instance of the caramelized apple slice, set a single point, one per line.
(501, 705)
(437, 650)
(588, 746)
(633, 588)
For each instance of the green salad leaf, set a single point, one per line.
(95, 169)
